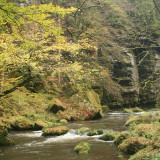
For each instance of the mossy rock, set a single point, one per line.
(57, 106)
(82, 148)
(3, 131)
(120, 138)
(137, 109)
(131, 110)
(63, 121)
(146, 117)
(132, 119)
(97, 114)
(147, 130)
(39, 125)
(22, 124)
(5, 141)
(134, 144)
(56, 131)
(82, 130)
(109, 136)
(128, 110)
(148, 153)
(95, 132)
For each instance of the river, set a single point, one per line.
(31, 145)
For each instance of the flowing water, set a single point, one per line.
(31, 145)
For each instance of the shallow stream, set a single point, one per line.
(31, 145)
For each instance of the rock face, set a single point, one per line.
(139, 76)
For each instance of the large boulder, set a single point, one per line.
(82, 130)
(57, 106)
(134, 144)
(22, 124)
(39, 125)
(109, 136)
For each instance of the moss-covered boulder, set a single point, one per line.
(131, 110)
(146, 117)
(120, 138)
(147, 130)
(148, 153)
(57, 106)
(5, 141)
(82, 148)
(82, 130)
(39, 125)
(109, 136)
(56, 131)
(132, 119)
(95, 132)
(22, 124)
(134, 144)
(63, 121)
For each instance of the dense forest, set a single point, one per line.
(68, 66)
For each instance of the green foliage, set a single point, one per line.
(22, 31)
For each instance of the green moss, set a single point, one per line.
(131, 110)
(94, 98)
(3, 131)
(148, 153)
(120, 138)
(95, 132)
(147, 130)
(56, 131)
(134, 144)
(5, 141)
(109, 136)
(82, 148)
(63, 121)
(22, 124)
(82, 130)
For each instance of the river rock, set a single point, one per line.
(39, 125)
(95, 132)
(120, 138)
(5, 141)
(109, 136)
(22, 124)
(82, 130)
(82, 148)
(134, 144)
(56, 131)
